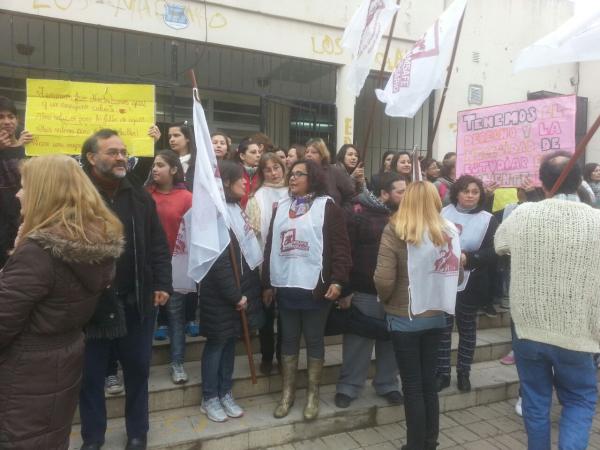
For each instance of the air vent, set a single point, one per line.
(475, 94)
(476, 57)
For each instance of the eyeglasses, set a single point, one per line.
(115, 153)
(298, 174)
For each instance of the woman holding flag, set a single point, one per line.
(416, 277)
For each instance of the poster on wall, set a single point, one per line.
(62, 114)
(506, 143)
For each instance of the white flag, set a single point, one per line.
(209, 235)
(424, 68)
(182, 283)
(362, 37)
(578, 39)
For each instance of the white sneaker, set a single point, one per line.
(113, 385)
(178, 374)
(232, 409)
(519, 407)
(213, 409)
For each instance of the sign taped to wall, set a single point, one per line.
(62, 114)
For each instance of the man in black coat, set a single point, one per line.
(126, 312)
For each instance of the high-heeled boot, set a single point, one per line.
(315, 369)
(288, 367)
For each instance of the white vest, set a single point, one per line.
(297, 246)
(267, 199)
(471, 229)
(433, 273)
(245, 236)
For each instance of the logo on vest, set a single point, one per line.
(289, 242)
(448, 262)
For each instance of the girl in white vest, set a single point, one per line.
(476, 228)
(271, 170)
(416, 277)
(307, 258)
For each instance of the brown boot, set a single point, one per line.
(315, 369)
(288, 367)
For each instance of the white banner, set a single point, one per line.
(424, 68)
(209, 235)
(362, 37)
(578, 39)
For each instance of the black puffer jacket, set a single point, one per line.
(219, 295)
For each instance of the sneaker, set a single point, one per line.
(509, 359)
(213, 409)
(178, 374)
(231, 408)
(342, 400)
(161, 333)
(113, 385)
(192, 329)
(490, 311)
(519, 407)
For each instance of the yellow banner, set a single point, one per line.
(62, 114)
(503, 197)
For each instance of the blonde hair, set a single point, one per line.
(58, 194)
(321, 147)
(418, 213)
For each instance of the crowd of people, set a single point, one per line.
(393, 262)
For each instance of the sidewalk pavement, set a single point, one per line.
(491, 427)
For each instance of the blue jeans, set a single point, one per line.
(542, 366)
(218, 358)
(176, 316)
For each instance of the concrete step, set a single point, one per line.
(195, 345)
(492, 344)
(186, 428)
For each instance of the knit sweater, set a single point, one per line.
(555, 273)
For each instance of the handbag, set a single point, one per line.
(353, 321)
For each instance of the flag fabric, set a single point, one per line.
(182, 283)
(424, 68)
(575, 40)
(417, 175)
(209, 227)
(362, 37)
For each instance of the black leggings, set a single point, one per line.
(311, 323)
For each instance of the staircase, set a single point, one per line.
(177, 423)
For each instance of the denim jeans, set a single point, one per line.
(218, 358)
(416, 355)
(176, 317)
(542, 366)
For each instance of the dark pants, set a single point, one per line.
(268, 346)
(416, 356)
(218, 358)
(307, 322)
(10, 210)
(135, 351)
(113, 361)
(466, 322)
(191, 307)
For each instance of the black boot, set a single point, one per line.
(463, 382)
(443, 381)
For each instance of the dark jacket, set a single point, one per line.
(481, 263)
(365, 219)
(337, 260)
(340, 186)
(219, 296)
(48, 291)
(147, 249)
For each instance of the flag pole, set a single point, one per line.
(234, 265)
(363, 151)
(436, 124)
(578, 152)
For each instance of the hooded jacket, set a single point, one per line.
(49, 289)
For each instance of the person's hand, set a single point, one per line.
(5, 140)
(242, 304)
(333, 292)
(491, 188)
(267, 297)
(527, 185)
(160, 298)
(359, 174)
(25, 138)
(154, 133)
(463, 259)
(345, 302)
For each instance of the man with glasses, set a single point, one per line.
(126, 312)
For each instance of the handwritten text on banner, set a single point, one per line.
(62, 114)
(506, 143)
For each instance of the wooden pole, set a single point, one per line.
(363, 151)
(244, 319)
(578, 152)
(436, 124)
